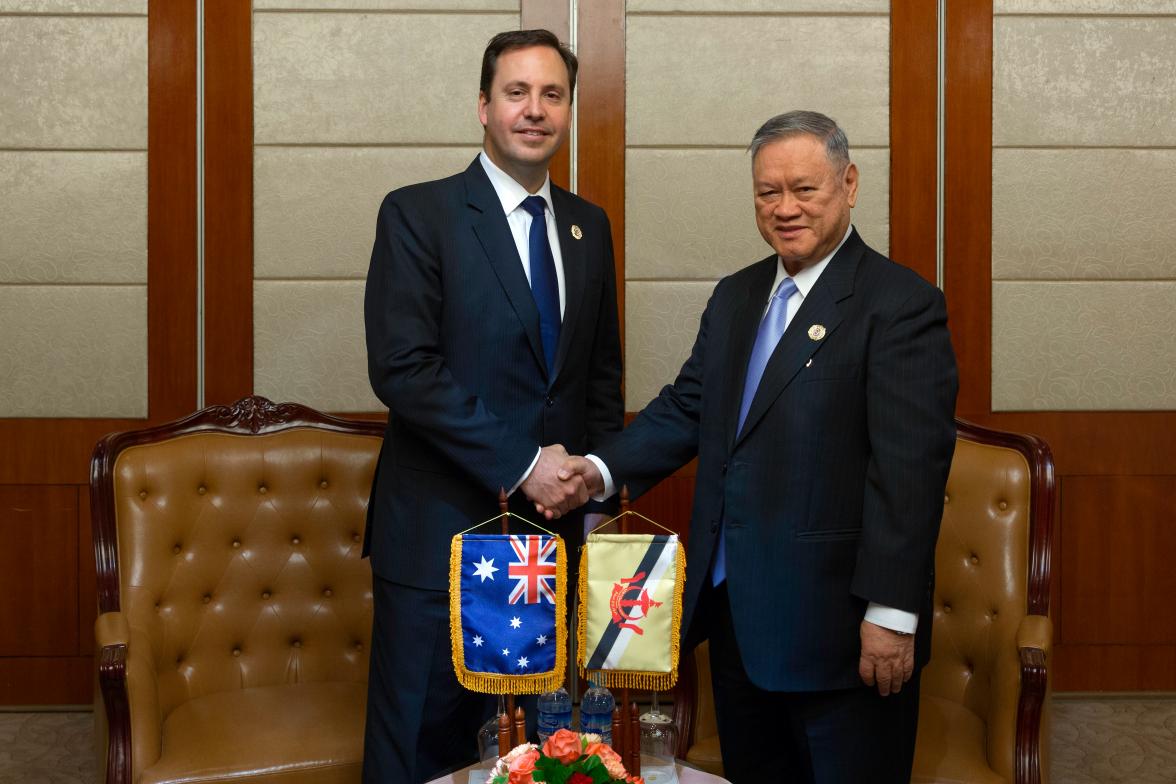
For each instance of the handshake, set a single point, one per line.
(560, 482)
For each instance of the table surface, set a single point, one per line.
(685, 776)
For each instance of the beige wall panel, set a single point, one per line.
(1084, 6)
(370, 78)
(1084, 81)
(73, 217)
(1083, 346)
(74, 6)
(757, 6)
(1045, 223)
(392, 5)
(308, 344)
(73, 351)
(689, 213)
(73, 82)
(661, 322)
(315, 208)
(712, 80)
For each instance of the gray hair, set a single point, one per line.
(799, 122)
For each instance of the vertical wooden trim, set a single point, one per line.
(228, 201)
(553, 15)
(968, 202)
(913, 123)
(602, 121)
(171, 209)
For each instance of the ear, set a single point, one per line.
(850, 182)
(482, 101)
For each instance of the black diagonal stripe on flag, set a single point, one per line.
(612, 631)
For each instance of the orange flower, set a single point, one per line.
(634, 780)
(522, 767)
(612, 760)
(563, 745)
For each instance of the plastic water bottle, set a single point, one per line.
(555, 713)
(596, 710)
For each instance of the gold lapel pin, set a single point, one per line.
(576, 232)
(816, 331)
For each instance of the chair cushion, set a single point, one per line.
(705, 755)
(951, 747)
(290, 734)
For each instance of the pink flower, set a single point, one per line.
(563, 745)
(521, 768)
(612, 760)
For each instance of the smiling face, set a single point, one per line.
(802, 199)
(526, 113)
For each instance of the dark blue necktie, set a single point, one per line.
(771, 329)
(544, 286)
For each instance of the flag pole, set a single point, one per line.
(626, 743)
(511, 725)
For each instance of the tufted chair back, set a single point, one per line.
(986, 681)
(228, 548)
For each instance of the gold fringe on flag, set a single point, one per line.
(631, 679)
(492, 682)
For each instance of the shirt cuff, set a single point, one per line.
(610, 489)
(527, 473)
(890, 618)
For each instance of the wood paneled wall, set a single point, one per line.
(1117, 470)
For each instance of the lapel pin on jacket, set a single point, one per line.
(576, 232)
(816, 331)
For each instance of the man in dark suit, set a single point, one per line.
(492, 337)
(819, 400)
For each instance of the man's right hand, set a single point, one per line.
(584, 468)
(552, 494)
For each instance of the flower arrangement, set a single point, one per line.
(566, 758)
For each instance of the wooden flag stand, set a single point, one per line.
(511, 724)
(626, 731)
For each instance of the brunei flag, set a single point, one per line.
(507, 612)
(630, 613)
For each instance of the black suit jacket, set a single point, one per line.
(454, 352)
(832, 493)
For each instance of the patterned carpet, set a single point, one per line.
(1095, 741)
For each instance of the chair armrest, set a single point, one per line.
(1034, 643)
(112, 636)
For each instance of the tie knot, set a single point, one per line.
(785, 290)
(534, 205)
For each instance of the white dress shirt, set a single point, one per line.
(512, 194)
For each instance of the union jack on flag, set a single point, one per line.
(534, 572)
(507, 610)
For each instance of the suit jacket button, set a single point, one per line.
(550, 401)
(724, 469)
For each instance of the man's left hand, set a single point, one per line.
(888, 658)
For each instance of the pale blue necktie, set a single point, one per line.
(544, 286)
(771, 329)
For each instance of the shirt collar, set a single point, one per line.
(807, 277)
(508, 189)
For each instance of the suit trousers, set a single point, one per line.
(421, 723)
(844, 736)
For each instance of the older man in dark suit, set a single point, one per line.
(819, 400)
(492, 337)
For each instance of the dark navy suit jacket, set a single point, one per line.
(832, 493)
(454, 352)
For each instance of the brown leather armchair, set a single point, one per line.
(234, 608)
(984, 707)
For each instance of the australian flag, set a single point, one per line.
(507, 609)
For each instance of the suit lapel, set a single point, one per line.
(745, 325)
(796, 347)
(575, 271)
(493, 233)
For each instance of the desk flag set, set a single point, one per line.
(630, 613)
(508, 611)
